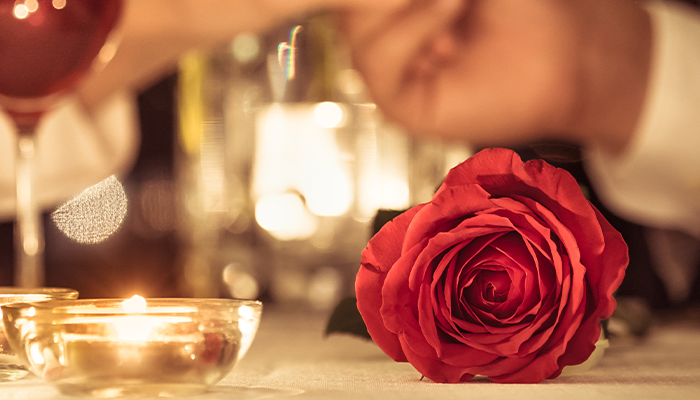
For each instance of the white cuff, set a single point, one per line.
(74, 150)
(656, 180)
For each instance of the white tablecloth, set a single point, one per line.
(290, 358)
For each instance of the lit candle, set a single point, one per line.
(117, 348)
(134, 321)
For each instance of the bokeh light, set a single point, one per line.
(328, 114)
(285, 217)
(328, 191)
(21, 11)
(95, 214)
(32, 5)
(240, 282)
(58, 4)
(325, 288)
(245, 47)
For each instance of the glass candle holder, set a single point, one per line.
(134, 347)
(11, 367)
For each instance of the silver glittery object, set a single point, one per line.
(95, 214)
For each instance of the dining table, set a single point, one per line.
(293, 357)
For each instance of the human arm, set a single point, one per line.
(155, 33)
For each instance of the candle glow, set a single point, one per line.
(135, 304)
(136, 347)
(138, 328)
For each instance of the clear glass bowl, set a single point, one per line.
(134, 347)
(11, 367)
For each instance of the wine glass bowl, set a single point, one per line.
(46, 47)
(49, 47)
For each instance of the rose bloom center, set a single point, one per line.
(489, 286)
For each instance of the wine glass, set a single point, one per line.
(46, 47)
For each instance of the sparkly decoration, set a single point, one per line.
(95, 214)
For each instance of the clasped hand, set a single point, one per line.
(499, 72)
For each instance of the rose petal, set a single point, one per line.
(443, 213)
(501, 173)
(398, 309)
(545, 364)
(459, 355)
(377, 259)
(504, 365)
(488, 276)
(434, 369)
(611, 267)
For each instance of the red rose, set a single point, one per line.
(507, 273)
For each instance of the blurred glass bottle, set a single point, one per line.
(284, 162)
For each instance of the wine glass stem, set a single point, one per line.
(29, 238)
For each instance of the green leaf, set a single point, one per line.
(347, 319)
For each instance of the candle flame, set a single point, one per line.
(136, 304)
(133, 328)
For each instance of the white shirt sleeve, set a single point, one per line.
(74, 150)
(656, 180)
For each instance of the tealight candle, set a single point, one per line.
(134, 347)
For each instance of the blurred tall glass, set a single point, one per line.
(283, 163)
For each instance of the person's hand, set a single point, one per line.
(495, 72)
